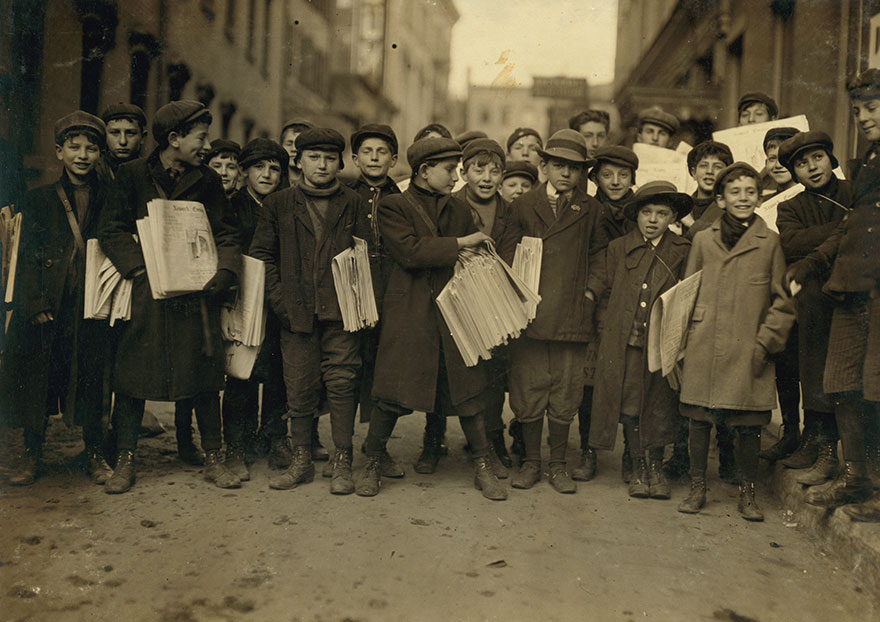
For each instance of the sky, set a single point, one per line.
(509, 41)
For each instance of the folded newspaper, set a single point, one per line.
(668, 327)
(354, 287)
(248, 319)
(527, 265)
(107, 294)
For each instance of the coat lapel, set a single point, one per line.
(186, 181)
(569, 213)
(301, 210)
(542, 207)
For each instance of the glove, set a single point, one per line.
(759, 360)
(801, 271)
(220, 282)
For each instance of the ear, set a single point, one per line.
(58, 152)
(174, 139)
(394, 160)
(719, 200)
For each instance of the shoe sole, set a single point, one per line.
(306, 479)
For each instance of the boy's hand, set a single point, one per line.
(799, 272)
(759, 360)
(43, 317)
(221, 281)
(474, 239)
(227, 326)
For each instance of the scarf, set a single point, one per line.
(732, 229)
(701, 205)
(314, 191)
(615, 207)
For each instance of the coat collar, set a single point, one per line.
(334, 210)
(173, 189)
(750, 240)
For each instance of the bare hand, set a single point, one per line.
(474, 239)
(227, 326)
(43, 317)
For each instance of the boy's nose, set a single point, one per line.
(207, 145)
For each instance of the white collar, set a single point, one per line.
(551, 191)
(656, 241)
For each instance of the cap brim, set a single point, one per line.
(453, 153)
(565, 154)
(680, 202)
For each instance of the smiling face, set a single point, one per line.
(756, 112)
(263, 177)
(190, 148)
(780, 174)
(124, 137)
(514, 186)
(374, 159)
(867, 116)
(653, 134)
(705, 173)
(483, 179)
(319, 168)
(525, 149)
(78, 154)
(813, 168)
(595, 134)
(739, 197)
(654, 219)
(225, 165)
(614, 180)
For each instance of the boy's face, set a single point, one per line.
(779, 173)
(374, 158)
(190, 148)
(288, 141)
(595, 134)
(755, 112)
(263, 177)
(614, 180)
(483, 179)
(813, 168)
(654, 219)
(525, 150)
(78, 154)
(705, 171)
(867, 115)
(653, 134)
(561, 174)
(442, 176)
(514, 186)
(319, 167)
(739, 197)
(124, 137)
(226, 166)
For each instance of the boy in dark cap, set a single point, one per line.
(642, 264)
(222, 157)
(418, 366)
(52, 350)
(656, 127)
(594, 126)
(547, 362)
(299, 232)
(465, 138)
(756, 107)
(432, 129)
(518, 178)
(126, 131)
(289, 132)
(779, 174)
(171, 349)
(523, 145)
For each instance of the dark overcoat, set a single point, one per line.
(413, 329)
(162, 352)
(629, 265)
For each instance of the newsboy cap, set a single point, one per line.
(519, 133)
(262, 149)
(125, 111)
(804, 141)
(779, 133)
(658, 116)
(466, 137)
(729, 171)
(479, 145)
(520, 168)
(299, 124)
(617, 154)
(865, 85)
(374, 130)
(758, 98)
(431, 148)
(663, 193)
(568, 145)
(79, 119)
(173, 115)
(222, 145)
(320, 139)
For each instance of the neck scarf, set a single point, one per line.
(732, 229)
(314, 191)
(615, 207)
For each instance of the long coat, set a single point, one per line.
(741, 303)
(413, 329)
(162, 350)
(629, 264)
(572, 262)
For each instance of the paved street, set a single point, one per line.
(427, 548)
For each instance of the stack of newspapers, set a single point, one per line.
(485, 304)
(247, 320)
(107, 294)
(354, 287)
(178, 247)
(527, 265)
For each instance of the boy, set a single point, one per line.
(126, 131)
(299, 232)
(805, 222)
(641, 265)
(222, 157)
(656, 127)
(704, 161)
(53, 351)
(289, 132)
(593, 126)
(523, 145)
(741, 317)
(756, 107)
(780, 175)
(188, 360)
(547, 362)
(436, 130)
(518, 178)
(418, 366)
(263, 162)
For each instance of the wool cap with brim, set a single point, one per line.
(173, 115)
(320, 139)
(431, 148)
(662, 193)
(658, 116)
(466, 137)
(79, 119)
(222, 145)
(780, 134)
(865, 85)
(301, 124)
(374, 130)
(758, 98)
(803, 142)
(125, 111)
(708, 146)
(521, 168)
(480, 145)
(618, 155)
(568, 145)
(260, 149)
(731, 171)
(519, 133)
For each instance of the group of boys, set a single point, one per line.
(607, 257)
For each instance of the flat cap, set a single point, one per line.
(431, 148)
(79, 119)
(519, 133)
(758, 97)
(320, 139)
(707, 147)
(124, 111)
(223, 146)
(779, 133)
(262, 149)
(374, 130)
(804, 141)
(174, 114)
(658, 116)
(865, 85)
(568, 145)
(480, 145)
(465, 137)
(731, 170)
(617, 154)
(521, 168)
(297, 124)
(663, 193)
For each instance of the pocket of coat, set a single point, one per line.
(759, 279)
(699, 313)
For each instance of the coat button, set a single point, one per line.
(644, 286)
(370, 216)
(643, 304)
(49, 263)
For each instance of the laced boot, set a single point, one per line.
(528, 475)
(97, 467)
(186, 448)
(586, 468)
(342, 483)
(300, 471)
(236, 463)
(496, 441)
(319, 452)
(123, 475)
(658, 485)
(370, 480)
(626, 465)
(390, 467)
(806, 452)
(873, 451)
(497, 465)
(280, 455)
(485, 480)
(25, 472)
(430, 456)
(217, 473)
(784, 447)
(851, 486)
(867, 512)
(748, 506)
(696, 498)
(638, 484)
(561, 480)
(825, 467)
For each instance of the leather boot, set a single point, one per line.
(784, 447)
(824, 469)
(806, 452)
(851, 486)
(217, 473)
(236, 463)
(280, 455)
(873, 451)
(497, 465)
(342, 482)
(25, 472)
(561, 480)
(658, 485)
(528, 475)
(626, 463)
(867, 512)
(96, 467)
(123, 475)
(485, 480)
(496, 442)
(319, 452)
(696, 499)
(186, 448)
(586, 468)
(390, 467)
(638, 484)
(430, 456)
(300, 471)
(748, 506)
(370, 480)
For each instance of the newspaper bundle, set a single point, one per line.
(485, 304)
(178, 247)
(247, 320)
(107, 295)
(668, 327)
(527, 265)
(354, 287)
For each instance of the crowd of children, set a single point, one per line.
(789, 318)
